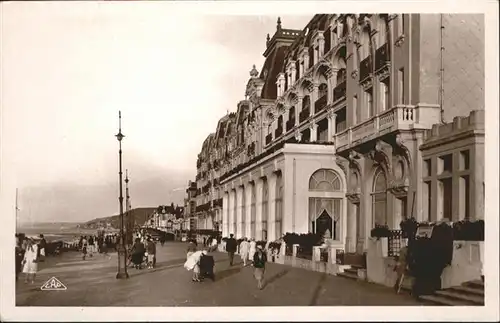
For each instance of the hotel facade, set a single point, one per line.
(345, 127)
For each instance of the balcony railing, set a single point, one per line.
(290, 124)
(339, 91)
(401, 117)
(304, 114)
(382, 57)
(269, 138)
(320, 103)
(365, 68)
(278, 132)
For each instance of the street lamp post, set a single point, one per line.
(122, 251)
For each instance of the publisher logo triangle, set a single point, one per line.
(53, 284)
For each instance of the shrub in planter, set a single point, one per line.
(380, 231)
(468, 230)
(275, 245)
(291, 239)
(409, 228)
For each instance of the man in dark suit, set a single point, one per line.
(231, 246)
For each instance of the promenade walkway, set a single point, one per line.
(92, 283)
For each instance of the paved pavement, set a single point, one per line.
(92, 283)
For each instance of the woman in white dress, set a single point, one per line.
(30, 261)
(244, 251)
(253, 249)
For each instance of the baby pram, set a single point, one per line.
(207, 264)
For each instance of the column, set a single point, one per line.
(231, 211)
(225, 227)
(239, 212)
(248, 210)
(331, 125)
(314, 97)
(321, 44)
(333, 83)
(271, 221)
(298, 108)
(286, 116)
(351, 227)
(314, 135)
(259, 191)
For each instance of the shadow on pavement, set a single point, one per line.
(317, 290)
(275, 277)
(221, 275)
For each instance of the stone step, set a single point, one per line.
(353, 271)
(468, 290)
(472, 299)
(478, 284)
(444, 301)
(348, 275)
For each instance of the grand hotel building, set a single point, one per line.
(339, 129)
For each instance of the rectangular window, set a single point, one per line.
(464, 160)
(446, 198)
(384, 94)
(464, 201)
(369, 102)
(401, 86)
(427, 198)
(401, 24)
(445, 164)
(426, 171)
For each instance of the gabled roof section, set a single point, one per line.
(275, 58)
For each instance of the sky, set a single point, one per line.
(68, 69)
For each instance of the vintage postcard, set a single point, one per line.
(238, 160)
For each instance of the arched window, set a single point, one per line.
(325, 180)
(379, 198)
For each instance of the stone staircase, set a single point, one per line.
(351, 273)
(468, 294)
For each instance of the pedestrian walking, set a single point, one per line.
(30, 261)
(151, 249)
(137, 253)
(42, 248)
(252, 249)
(84, 247)
(90, 246)
(244, 251)
(214, 244)
(259, 264)
(231, 246)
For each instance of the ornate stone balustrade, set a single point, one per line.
(401, 117)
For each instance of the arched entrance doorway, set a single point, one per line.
(325, 204)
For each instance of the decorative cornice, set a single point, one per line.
(399, 41)
(353, 197)
(367, 83)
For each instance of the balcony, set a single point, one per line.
(269, 138)
(320, 103)
(278, 132)
(365, 68)
(290, 124)
(251, 149)
(401, 117)
(339, 91)
(304, 114)
(382, 59)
